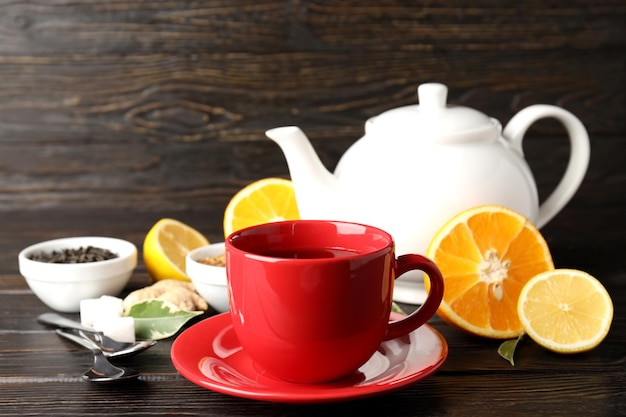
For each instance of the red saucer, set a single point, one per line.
(209, 355)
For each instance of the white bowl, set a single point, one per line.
(210, 281)
(61, 286)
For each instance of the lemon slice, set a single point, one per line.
(165, 247)
(566, 310)
(263, 201)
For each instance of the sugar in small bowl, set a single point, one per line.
(62, 285)
(209, 275)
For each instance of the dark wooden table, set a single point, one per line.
(40, 373)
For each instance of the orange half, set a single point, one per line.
(486, 255)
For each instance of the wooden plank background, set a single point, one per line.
(160, 107)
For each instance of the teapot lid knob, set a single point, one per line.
(434, 120)
(432, 96)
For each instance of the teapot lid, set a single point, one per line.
(434, 119)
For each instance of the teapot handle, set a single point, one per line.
(578, 159)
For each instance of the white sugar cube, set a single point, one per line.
(112, 305)
(106, 306)
(121, 329)
(89, 309)
(104, 314)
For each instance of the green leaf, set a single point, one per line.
(158, 319)
(507, 349)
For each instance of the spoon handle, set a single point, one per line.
(79, 340)
(58, 320)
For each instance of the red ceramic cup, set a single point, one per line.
(310, 299)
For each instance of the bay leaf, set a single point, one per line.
(158, 319)
(507, 349)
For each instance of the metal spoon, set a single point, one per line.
(87, 342)
(108, 346)
(102, 370)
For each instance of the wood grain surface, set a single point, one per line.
(164, 104)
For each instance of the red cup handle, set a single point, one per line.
(414, 320)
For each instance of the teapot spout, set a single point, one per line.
(317, 190)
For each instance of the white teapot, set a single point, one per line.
(417, 166)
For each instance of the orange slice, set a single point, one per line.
(165, 247)
(486, 255)
(566, 310)
(263, 201)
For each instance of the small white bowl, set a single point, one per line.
(210, 281)
(61, 286)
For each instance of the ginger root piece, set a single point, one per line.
(184, 299)
(180, 293)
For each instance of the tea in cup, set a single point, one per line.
(310, 299)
